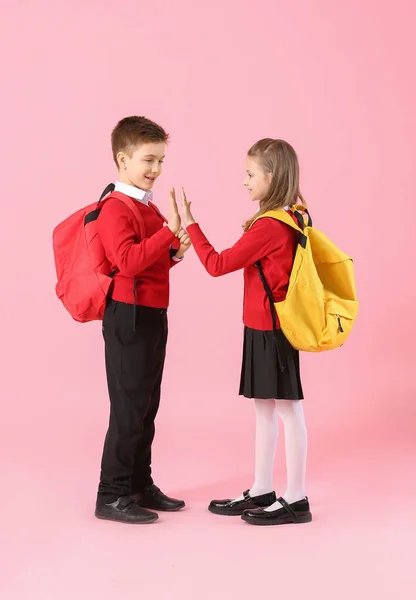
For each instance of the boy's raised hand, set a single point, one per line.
(174, 219)
(186, 209)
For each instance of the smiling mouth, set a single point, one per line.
(150, 178)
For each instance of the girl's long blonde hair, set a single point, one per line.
(278, 158)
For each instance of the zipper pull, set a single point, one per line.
(341, 329)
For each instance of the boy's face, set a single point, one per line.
(143, 166)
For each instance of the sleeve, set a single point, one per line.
(265, 236)
(173, 250)
(118, 236)
(175, 261)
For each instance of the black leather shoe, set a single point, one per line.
(297, 512)
(152, 497)
(125, 510)
(237, 507)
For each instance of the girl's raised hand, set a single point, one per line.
(186, 209)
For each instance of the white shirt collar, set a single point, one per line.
(284, 208)
(134, 192)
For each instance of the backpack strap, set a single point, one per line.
(272, 310)
(129, 202)
(132, 205)
(280, 215)
(284, 217)
(298, 209)
(108, 189)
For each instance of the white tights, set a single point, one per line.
(296, 441)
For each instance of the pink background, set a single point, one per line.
(337, 81)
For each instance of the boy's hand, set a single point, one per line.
(185, 242)
(174, 219)
(186, 207)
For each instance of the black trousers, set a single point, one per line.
(135, 357)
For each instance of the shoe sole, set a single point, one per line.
(116, 520)
(306, 518)
(163, 509)
(224, 512)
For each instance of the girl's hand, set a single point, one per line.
(186, 209)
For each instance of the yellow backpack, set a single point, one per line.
(321, 305)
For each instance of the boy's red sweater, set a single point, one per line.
(148, 259)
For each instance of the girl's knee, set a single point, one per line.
(266, 408)
(289, 408)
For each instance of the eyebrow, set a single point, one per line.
(152, 156)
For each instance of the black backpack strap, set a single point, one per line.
(110, 188)
(272, 310)
(93, 215)
(301, 220)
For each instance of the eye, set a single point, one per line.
(161, 162)
(249, 175)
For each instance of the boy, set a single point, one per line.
(135, 323)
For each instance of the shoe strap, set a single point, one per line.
(288, 508)
(124, 502)
(153, 489)
(246, 495)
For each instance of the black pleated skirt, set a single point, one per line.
(270, 367)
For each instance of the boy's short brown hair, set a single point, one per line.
(131, 131)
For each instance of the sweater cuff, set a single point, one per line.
(196, 234)
(167, 234)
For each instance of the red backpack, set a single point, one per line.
(84, 272)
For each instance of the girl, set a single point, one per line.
(270, 369)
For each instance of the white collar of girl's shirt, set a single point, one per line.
(134, 192)
(284, 208)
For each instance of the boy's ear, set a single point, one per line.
(121, 160)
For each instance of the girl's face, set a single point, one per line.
(257, 180)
